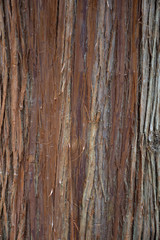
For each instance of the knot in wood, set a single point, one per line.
(154, 141)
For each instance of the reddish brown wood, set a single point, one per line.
(79, 119)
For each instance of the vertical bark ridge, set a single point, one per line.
(79, 119)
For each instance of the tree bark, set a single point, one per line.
(79, 119)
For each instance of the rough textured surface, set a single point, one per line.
(79, 119)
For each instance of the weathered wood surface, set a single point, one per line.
(79, 119)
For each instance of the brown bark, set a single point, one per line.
(79, 119)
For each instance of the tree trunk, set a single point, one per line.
(79, 119)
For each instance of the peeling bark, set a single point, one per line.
(79, 119)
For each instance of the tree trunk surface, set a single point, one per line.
(79, 119)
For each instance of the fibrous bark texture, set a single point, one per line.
(79, 119)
